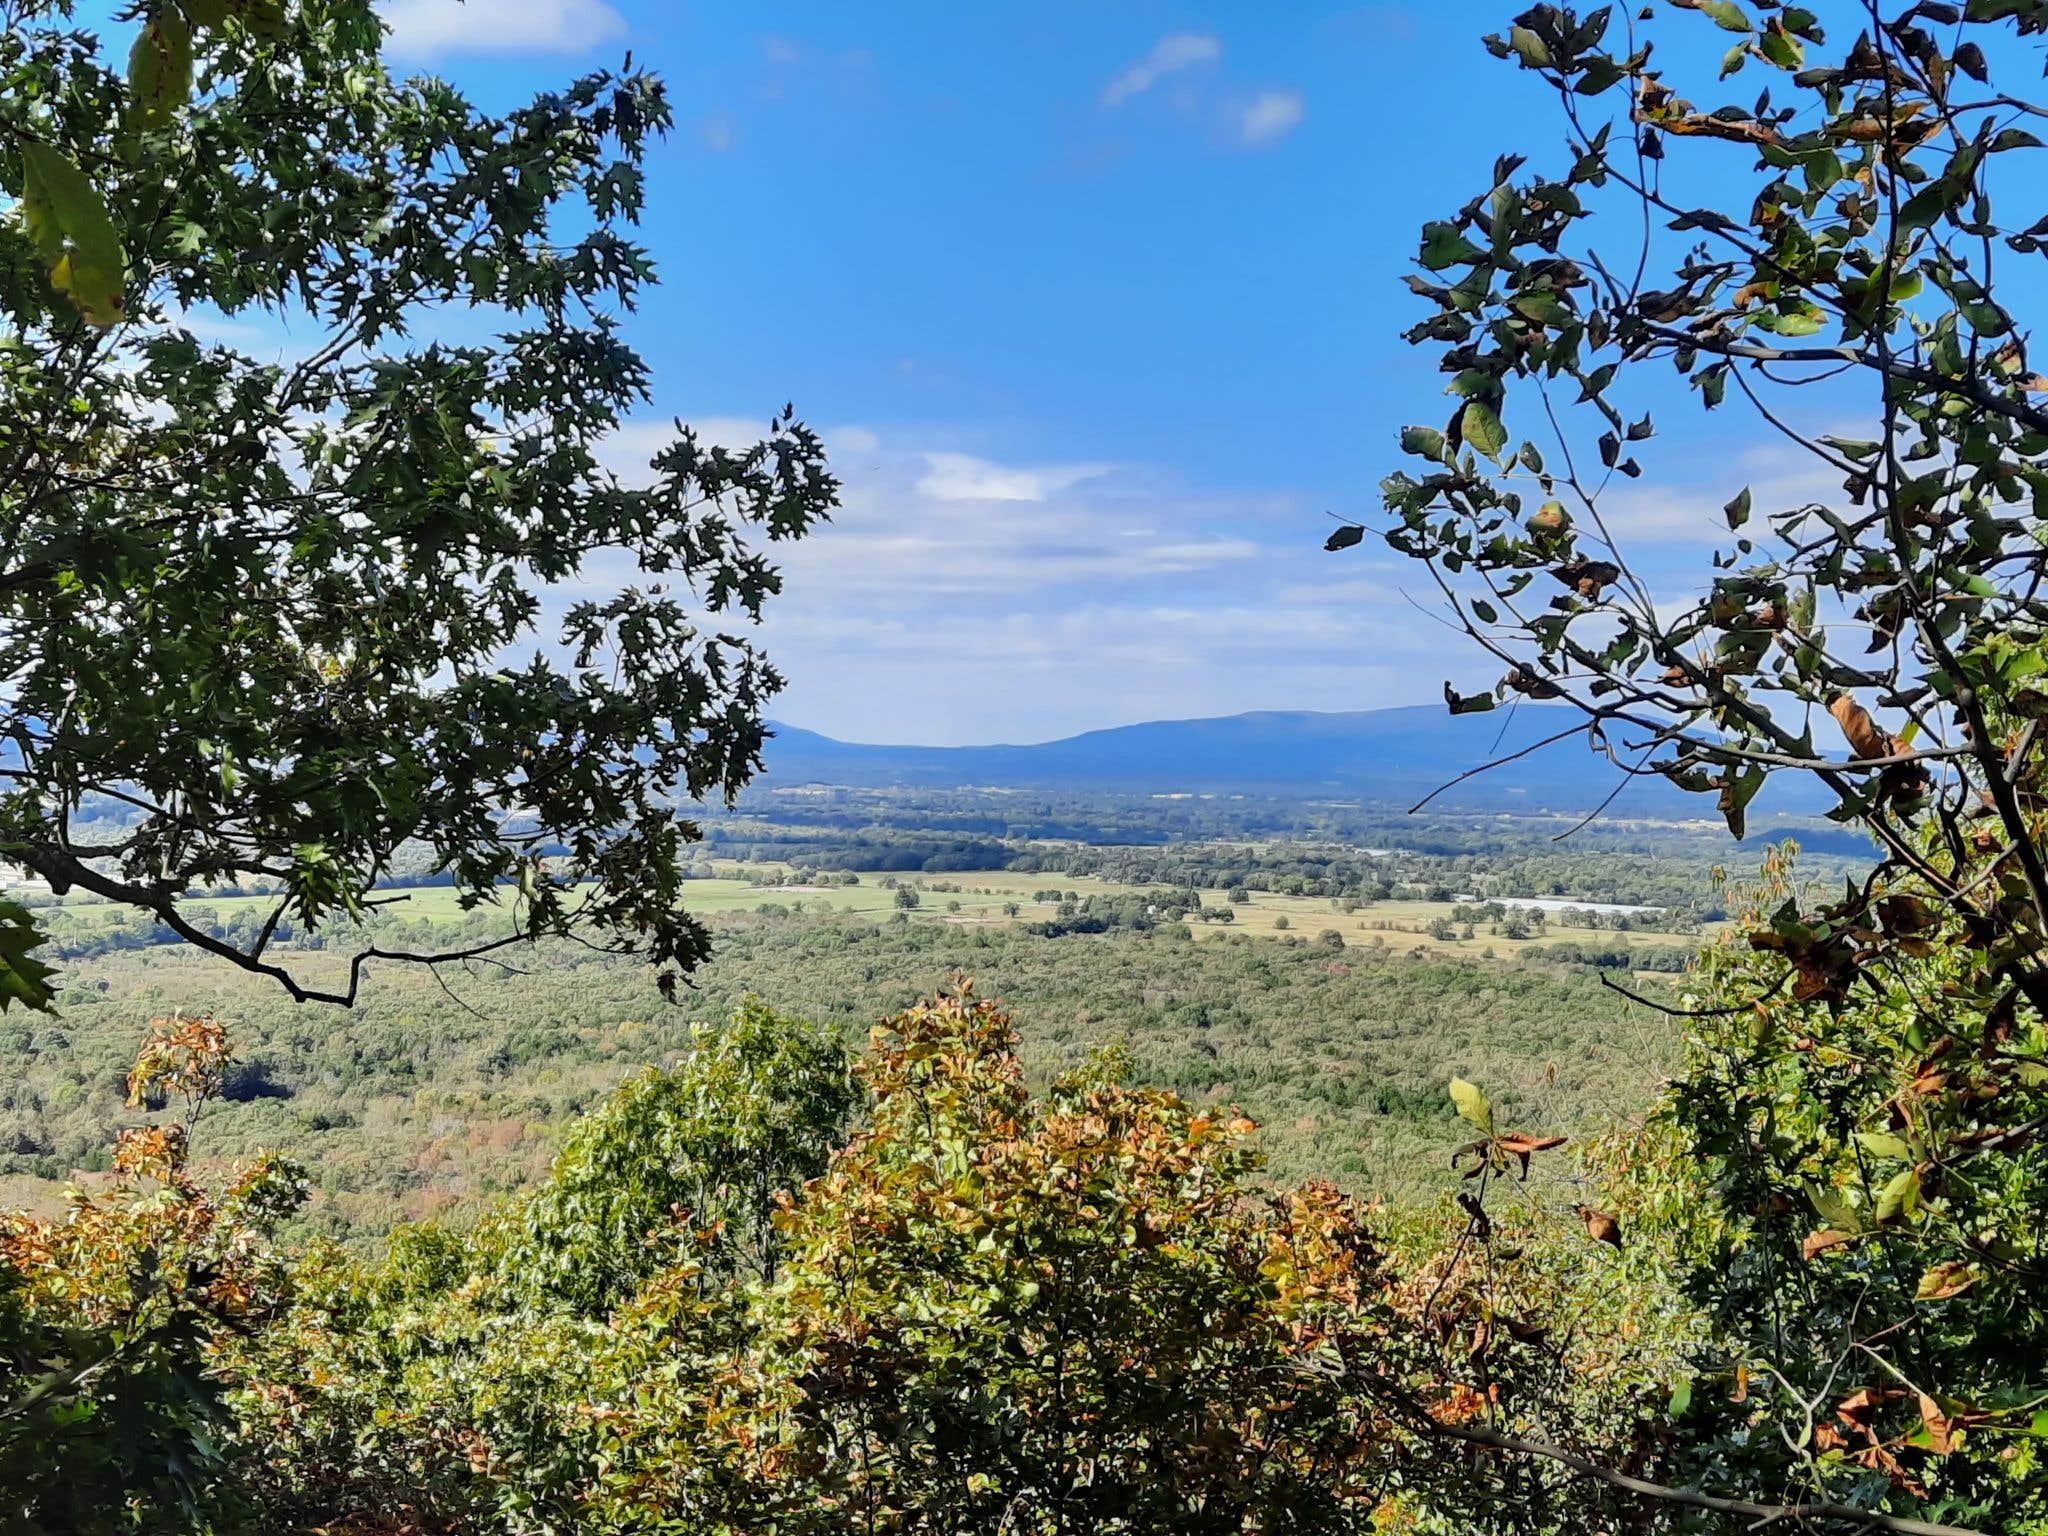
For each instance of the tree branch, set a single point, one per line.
(1802, 1514)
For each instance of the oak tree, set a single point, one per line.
(272, 613)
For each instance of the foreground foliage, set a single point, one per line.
(1848, 1181)
(255, 609)
(1073, 1313)
(111, 1416)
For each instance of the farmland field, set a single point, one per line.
(982, 898)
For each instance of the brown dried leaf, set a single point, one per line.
(1867, 739)
(1600, 1225)
(1938, 1438)
(1820, 1242)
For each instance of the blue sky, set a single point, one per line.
(1098, 308)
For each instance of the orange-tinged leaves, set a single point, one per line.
(1521, 1143)
(1460, 1405)
(1939, 1437)
(1820, 1242)
(1945, 1280)
(1867, 739)
(1601, 1225)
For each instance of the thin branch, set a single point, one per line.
(1804, 1513)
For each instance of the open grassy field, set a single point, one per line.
(983, 899)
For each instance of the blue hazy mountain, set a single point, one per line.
(1381, 756)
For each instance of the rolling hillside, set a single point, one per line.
(1383, 755)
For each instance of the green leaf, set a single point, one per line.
(1737, 510)
(1482, 429)
(1803, 323)
(1726, 14)
(1344, 538)
(1781, 48)
(1884, 1144)
(1534, 51)
(1468, 703)
(1901, 1197)
(160, 69)
(1472, 1104)
(1923, 208)
(73, 233)
(1836, 1211)
(23, 979)
(1424, 442)
(1598, 76)
(1736, 793)
(263, 18)
(1542, 306)
(1444, 245)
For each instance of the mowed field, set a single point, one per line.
(981, 898)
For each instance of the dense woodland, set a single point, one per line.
(433, 1101)
(419, 1126)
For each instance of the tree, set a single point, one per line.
(263, 620)
(1074, 1308)
(907, 898)
(758, 1105)
(108, 1313)
(1853, 1154)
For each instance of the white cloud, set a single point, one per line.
(719, 133)
(432, 28)
(1686, 505)
(1177, 51)
(960, 596)
(1270, 117)
(962, 477)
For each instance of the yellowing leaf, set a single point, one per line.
(160, 68)
(73, 233)
(1901, 1197)
(1884, 1144)
(1945, 1280)
(1472, 1104)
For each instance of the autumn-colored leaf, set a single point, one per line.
(1938, 1435)
(1820, 1242)
(1601, 1225)
(1945, 1280)
(1472, 1104)
(1867, 739)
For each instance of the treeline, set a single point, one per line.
(1109, 817)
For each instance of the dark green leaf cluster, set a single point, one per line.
(291, 613)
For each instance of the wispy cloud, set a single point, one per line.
(962, 477)
(1270, 116)
(719, 133)
(435, 28)
(961, 596)
(1172, 53)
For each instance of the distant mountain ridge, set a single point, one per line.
(1381, 756)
